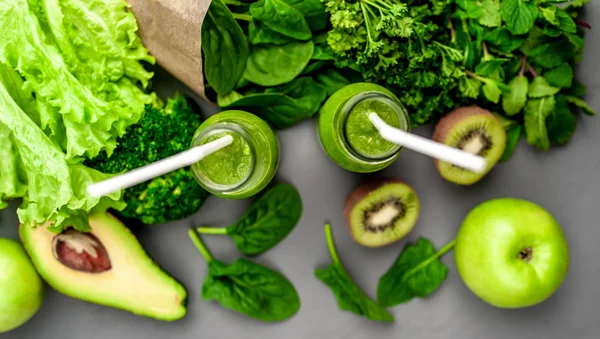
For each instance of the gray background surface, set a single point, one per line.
(565, 181)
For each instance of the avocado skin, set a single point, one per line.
(61, 283)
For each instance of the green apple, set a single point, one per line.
(21, 288)
(511, 253)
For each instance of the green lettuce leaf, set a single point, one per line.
(35, 169)
(82, 60)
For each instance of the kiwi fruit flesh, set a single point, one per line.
(381, 212)
(474, 130)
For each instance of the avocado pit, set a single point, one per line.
(81, 252)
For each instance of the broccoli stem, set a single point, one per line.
(243, 17)
(211, 230)
(331, 244)
(200, 245)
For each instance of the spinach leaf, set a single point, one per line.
(273, 65)
(417, 272)
(248, 288)
(266, 223)
(287, 105)
(225, 48)
(332, 81)
(519, 15)
(349, 296)
(261, 34)
(313, 11)
(282, 18)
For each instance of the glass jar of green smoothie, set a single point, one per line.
(348, 136)
(246, 166)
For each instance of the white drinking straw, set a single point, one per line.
(428, 147)
(156, 169)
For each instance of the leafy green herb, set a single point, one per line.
(536, 112)
(491, 16)
(266, 223)
(561, 76)
(515, 101)
(282, 18)
(561, 123)
(541, 88)
(248, 288)
(225, 47)
(580, 104)
(519, 15)
(273, 65)
(417, 272)
(282, 106)
(349, 296)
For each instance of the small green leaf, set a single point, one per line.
(549, 13)
(552, 31)
(519, 15)
(565, 21)
(585, 108)
(552, 54)
(536, 113)
(515, 101)
(491, 16)
(492, 89)
(513, 136)
(561, 76)
(417, 272)
(469, 87)
(577, 89)
(541, 88)
(561, 123)
(472, 9)
(491, 69)
(534, 39)
(503, 40)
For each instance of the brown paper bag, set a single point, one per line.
(170, 29)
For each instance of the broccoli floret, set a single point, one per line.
(162, 132)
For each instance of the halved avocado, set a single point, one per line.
(106, 266)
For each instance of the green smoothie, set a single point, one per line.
(362, 136)
(348, 136)
(246, 166)
(232, 165)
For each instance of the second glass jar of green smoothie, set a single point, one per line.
(246, 166)
(348, 136)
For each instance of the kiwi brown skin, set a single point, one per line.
(445, 126)
(360, 193)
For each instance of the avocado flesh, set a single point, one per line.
(133, 283)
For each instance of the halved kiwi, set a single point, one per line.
(381, 212)
(474, 130)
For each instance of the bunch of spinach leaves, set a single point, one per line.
(248, 288)
(270, 220)
(516, 58)
(270, 57)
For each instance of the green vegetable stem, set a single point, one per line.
(417, 272)
(349, 296)
(248, 288)
(269, 221)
